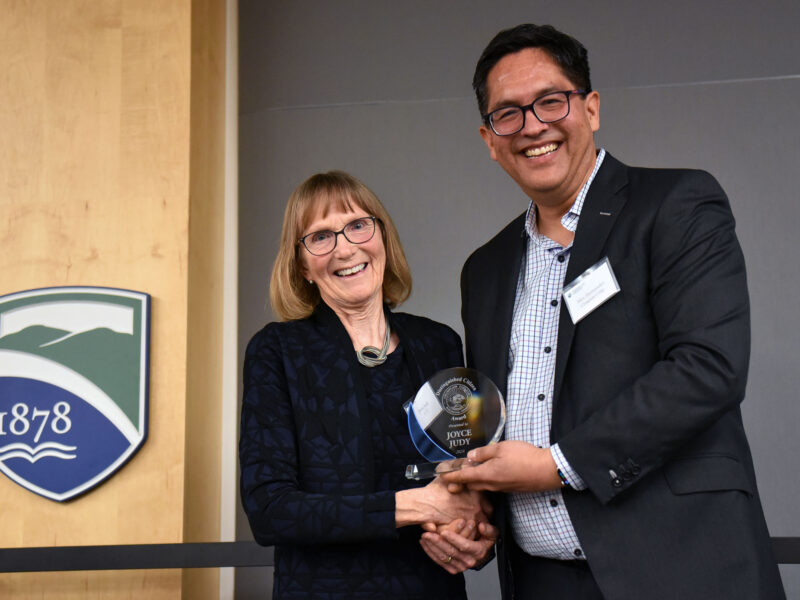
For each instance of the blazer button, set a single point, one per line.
(615, 480)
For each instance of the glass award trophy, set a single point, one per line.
(455, 411)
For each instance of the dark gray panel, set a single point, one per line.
(403, 119)
(254, 583)
(714, 127)
(429, 166)
(312, 52)
(790, 574)
(425, 161)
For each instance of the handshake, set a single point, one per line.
(453, 511)
(458, 535)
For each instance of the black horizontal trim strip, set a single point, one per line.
(787, 550)
(143, 556)
(198, 556)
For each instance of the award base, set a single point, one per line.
(430, 470)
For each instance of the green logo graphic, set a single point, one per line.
(73, 386)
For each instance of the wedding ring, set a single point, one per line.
(448, 559)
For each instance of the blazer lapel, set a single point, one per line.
(600, 210)
(499, 291)
(351, 388)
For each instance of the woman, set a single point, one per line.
(324, 442)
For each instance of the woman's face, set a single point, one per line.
(351, 276)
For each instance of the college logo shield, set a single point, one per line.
(73, 386)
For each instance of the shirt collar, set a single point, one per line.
(570, 219)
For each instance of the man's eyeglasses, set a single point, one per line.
(323, 242)
(549, 108)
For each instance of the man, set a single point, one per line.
(614, 317)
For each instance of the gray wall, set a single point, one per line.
(382, 89)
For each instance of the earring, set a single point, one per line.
(310, 282)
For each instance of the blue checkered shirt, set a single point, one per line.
(540, 521)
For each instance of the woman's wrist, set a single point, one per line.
(407, 510)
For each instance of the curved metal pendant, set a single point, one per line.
(378, 355)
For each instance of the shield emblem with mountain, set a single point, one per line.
(73, 386)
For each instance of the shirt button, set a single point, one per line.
(553, 502)
(541, 397)
(561, 258)
(553, 302)
(548, 349)
(578, 552)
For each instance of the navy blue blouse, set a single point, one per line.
(323, 448)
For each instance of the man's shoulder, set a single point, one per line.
(651, 175)
(662, 177)
(653, 189)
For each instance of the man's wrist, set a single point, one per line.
(565, 471)
(564, 479)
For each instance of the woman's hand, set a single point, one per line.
(460, 545)
(434, 504)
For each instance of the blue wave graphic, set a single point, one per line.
(84, 427)
(44, 450)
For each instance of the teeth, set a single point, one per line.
(541, 150)
(351, 270)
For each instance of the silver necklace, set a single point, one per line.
(378, 356)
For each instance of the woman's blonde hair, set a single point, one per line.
(291, 296)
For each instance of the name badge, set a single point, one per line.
(590, 289)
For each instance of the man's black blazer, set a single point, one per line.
(647, 387)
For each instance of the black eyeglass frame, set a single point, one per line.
(487, 118)
(375, 222)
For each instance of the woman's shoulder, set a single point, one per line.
(269, 331)
(278, 333)
(410, 321)
(416, 326)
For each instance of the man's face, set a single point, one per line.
(549, 161)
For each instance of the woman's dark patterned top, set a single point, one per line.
(323, 448)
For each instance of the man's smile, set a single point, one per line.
(541, 150)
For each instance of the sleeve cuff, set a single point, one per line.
(380, 502)
(572, 476)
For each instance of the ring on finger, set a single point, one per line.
(448, 560)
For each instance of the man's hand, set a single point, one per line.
(508, 466)
(460, 545)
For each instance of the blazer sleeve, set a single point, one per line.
(697, 294)
(277, 507)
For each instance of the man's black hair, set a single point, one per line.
(566, 51)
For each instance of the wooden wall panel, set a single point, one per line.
(206, 241)
(95, 169)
